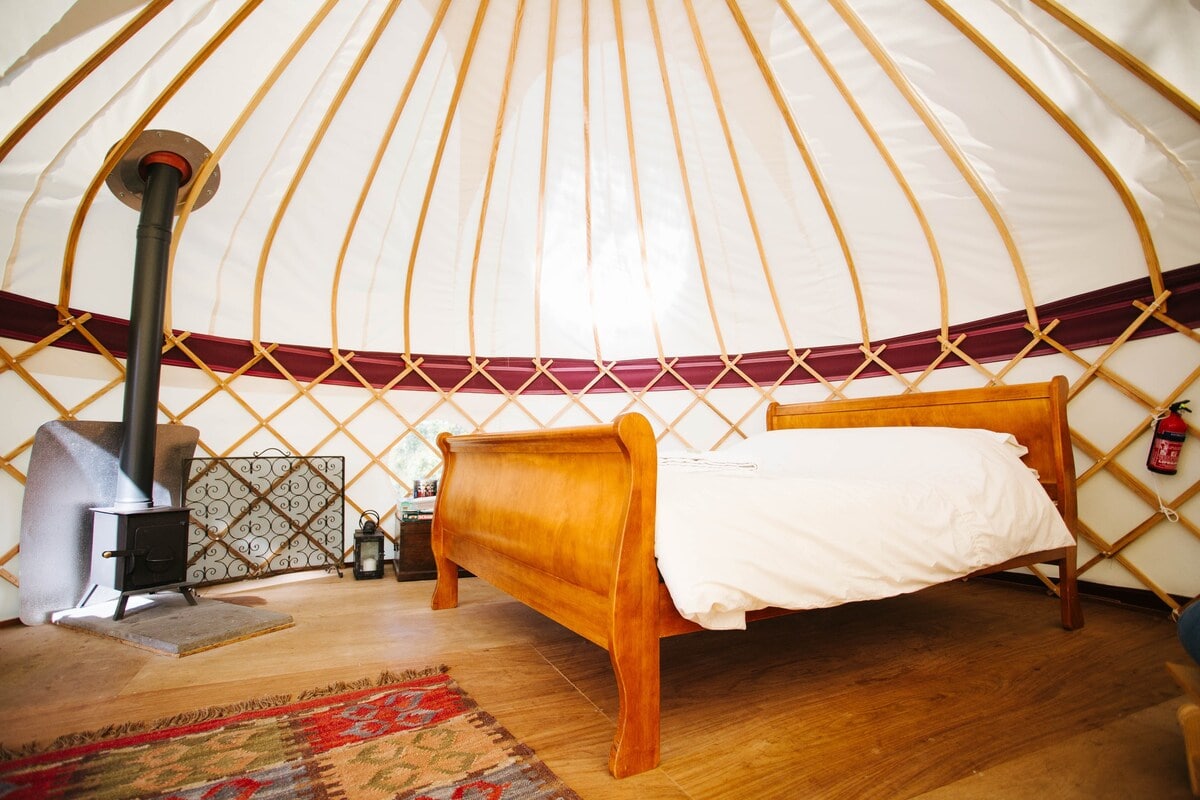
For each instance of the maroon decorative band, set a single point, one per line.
(1087, 320)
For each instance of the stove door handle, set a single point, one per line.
(123, 553)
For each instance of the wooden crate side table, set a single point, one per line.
(414, 553)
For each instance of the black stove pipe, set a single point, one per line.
(164, 172)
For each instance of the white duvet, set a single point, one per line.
(813, 518)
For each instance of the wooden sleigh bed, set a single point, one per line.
(564, 521)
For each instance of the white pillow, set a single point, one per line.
(836, 452)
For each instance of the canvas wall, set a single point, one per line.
(1126, 540)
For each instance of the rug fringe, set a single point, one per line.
(66, 741)
(384, 679)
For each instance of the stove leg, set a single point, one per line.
(88, 596)
(120, 612)
(186, 591)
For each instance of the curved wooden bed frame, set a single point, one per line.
(563, 520)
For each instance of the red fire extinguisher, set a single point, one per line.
(1169, 434)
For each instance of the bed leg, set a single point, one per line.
(635, 747)
(445, 590)
(1068, 593)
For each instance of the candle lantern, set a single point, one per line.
(368, 547)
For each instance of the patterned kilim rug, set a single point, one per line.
(397, 737)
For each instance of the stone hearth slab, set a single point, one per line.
(165, 623)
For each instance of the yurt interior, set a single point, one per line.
(662, 398)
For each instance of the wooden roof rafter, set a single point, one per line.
(80, 73)
(422, 216)
(889, 160)
(635, 180)
(948, 145)
(810, 163)
(314, 143)
(381, 150)
(118, 150)
(1123, 57)
(497, 134)
(684, 180)
(1072, 129)
(200, 179)
(735, 163)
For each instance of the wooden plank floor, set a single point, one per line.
(964, 691)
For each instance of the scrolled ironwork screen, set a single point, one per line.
(263, 515)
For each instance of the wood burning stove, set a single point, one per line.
(137, 547)
(138, 550)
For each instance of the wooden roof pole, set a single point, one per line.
(951, 149)
(497, 133)
(635, 179)
(540, 237)
(1136, 217)
(1122, 56)
(380, 151)
(136, 130)
(856, 108)
(464, 67)
(743, 189)
(313, 144)
(684, 178)
(206, 169)
(77, 76)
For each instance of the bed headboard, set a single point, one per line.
(1035, 413)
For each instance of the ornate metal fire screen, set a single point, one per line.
(263, 515)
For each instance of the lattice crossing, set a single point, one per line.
(367, 422)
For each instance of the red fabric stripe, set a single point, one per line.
(1086, 320)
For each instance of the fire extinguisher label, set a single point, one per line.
(1167, 441)
(1165, 454)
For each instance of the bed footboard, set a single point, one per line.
(563, 520)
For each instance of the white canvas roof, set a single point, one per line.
(609, 179)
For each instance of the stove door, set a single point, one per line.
(160, 541)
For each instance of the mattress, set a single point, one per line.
(807, 518)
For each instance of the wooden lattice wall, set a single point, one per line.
(237, 414)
